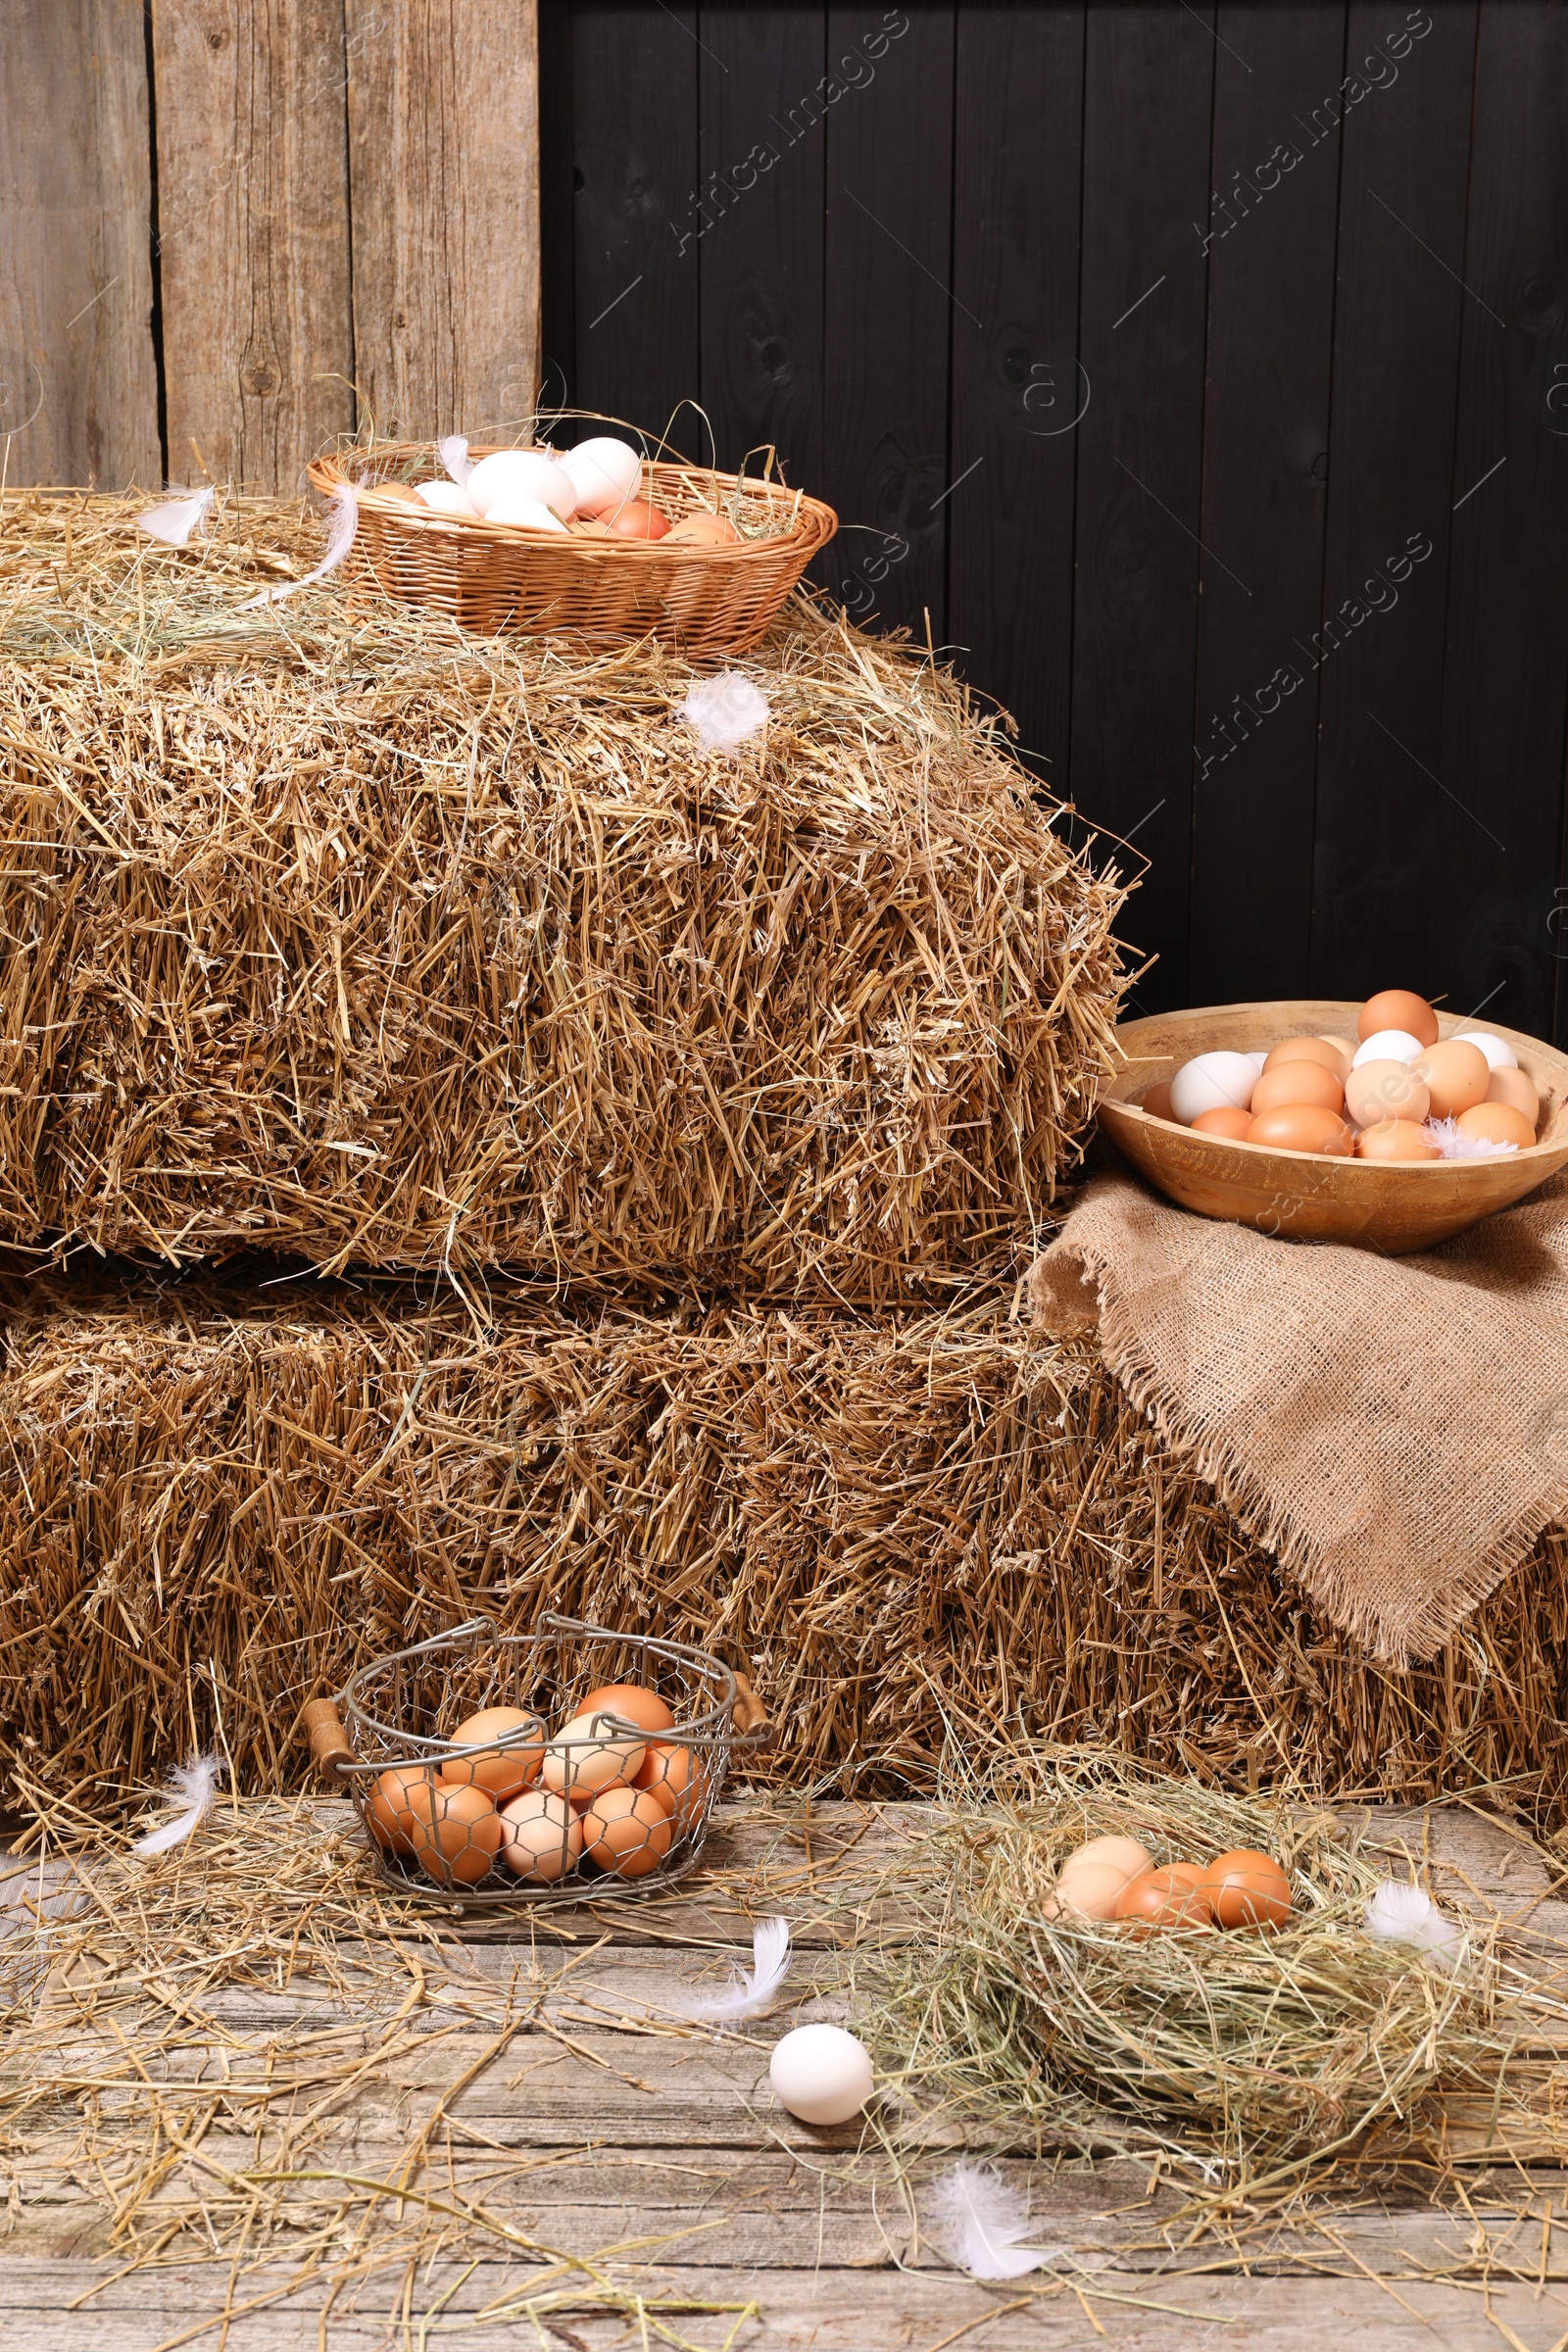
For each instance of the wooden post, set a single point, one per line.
(253, 228)
(444, 169)
(79, 382)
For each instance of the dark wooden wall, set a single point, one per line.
(1138, 347)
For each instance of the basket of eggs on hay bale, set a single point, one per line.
(598, 543)
(1388, 1124)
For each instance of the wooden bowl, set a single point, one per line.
(1307, 1196)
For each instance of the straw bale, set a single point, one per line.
(213, 1504)
(338, 933)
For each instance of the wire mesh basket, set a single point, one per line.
(536, 1769)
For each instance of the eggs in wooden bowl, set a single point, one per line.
(1335, 1187)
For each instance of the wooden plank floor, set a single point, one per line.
(609, 2128)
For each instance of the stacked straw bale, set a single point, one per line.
(336, 932)
(214, 1503)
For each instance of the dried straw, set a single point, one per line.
(337, 932)
(1262, 2061)
(214, 1502)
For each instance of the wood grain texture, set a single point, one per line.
(1018, 392)
(443, 113)
(1148, 107)
(252, 235)
(890, 316)
(1495, 906)
(1265, 473)
(78, 383)
(1398, 318)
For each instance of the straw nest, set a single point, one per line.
(213, 1504)
(338, 933)
(1258, 2057)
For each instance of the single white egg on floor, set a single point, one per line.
(1500, 1055)
(525, 514)
(1213, 1082)
(515, 473)
(821, 2073)
(1388, 1044)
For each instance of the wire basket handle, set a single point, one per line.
(330, 1751)
(749, 1716)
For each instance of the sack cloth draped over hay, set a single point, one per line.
(208, 1512)
(344, 935)
(1395, 1429)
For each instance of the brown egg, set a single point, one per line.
(1303, 1127)
(704, 530)
(632, 1702)
(1156, 1102)
(1173, 1897)
(1092, 1879)
(637, 519)
(1310, 1048)
(1247, 1889)
(1519, 1089)
(1454, 1075)
(1384, 1090)
(626, 1831)
(1397, 1139)
(543, 1836)
(1497, 1123)
(456, 1832)
(501, 1772)
(1224, 1121)
(581, 1759)
(387, 1812)
(674, 1775)
(1344, 1047)
(1399, 1008)
(1298, 1082)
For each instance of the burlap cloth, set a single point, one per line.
(1395, 1428)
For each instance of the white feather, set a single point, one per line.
(754, 1989)
(455, 458)
(1401, 1914)
(344, 511)
(175, 520)
(194, 1786)
(725, 710)
(1452, 1142)
(981, 2219)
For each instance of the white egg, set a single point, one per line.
(1500, 1055)
(525, 514)
(532, 473)
(604, 473)
(447, 498)
(1213, 1082)
(1258, 1060)
(821, 2073)
(1388, 1044)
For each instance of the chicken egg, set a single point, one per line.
(1454, 1075)
(1497, 1123)
(704, 530)
(1212, 1082)
(1397, 1139)
(637, 519)
(1500, 1055)
(626, 1831)
(1518, 1088)
(1399, 1008)
(501, 1772)
(446, 498)
(514, 474)
(1231, 1124)
(581, 1759)
(1379, 1091)
(632, 1702)
(456, 1832)
(543, 1836)
(1173, 1897)
(1303, 1127)
(1247, 1889)
(1091, 1879)
(525, 515)
(1387, 1045)
(1344, 1047)
(820, 2073)
(1306, 1082)
(1310, 1048)
(604, 472)
(389, 1812)
(672, 1773)
(1156, 1102)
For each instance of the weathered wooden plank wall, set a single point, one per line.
(270, 220)
(1200, 372)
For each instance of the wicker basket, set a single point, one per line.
(495, 578)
